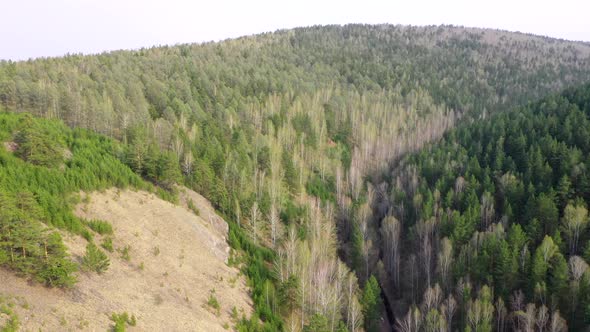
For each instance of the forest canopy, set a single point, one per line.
(289, 135)
(499, 206)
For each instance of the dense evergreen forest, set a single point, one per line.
(285, 132)
(491, 224)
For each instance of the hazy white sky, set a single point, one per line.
(34, 28)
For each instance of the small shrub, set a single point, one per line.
(232, 281)
(87, 235)
(193, 207)
(58, 272)
(119, 326)
(107, 244)
(100, 226)
(158, 299)
(12, 323)
(83, 324)
(213, 303)
(234, 313)
(25, 305)
(126, 253)
(122, 320)
(156, 251)
(234, 259)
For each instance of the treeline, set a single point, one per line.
(488, 229)
(259, 124)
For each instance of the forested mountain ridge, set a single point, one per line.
(281, 130)
(454, 65)
(491, 223)
(332, 75)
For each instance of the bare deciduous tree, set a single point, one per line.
(411, 322)
(557, 323)
(353, 308)
(412, 267)
(432, 298)
(445, 259)
(254, 215)
(487, 210)
(448, 309)
(425, 230)
(391, 231)
(578, 267)
(274, 221)
(527, 318)
(575, 221)
(501, 314)
(363, 218)
(187, 163)
(542, 318)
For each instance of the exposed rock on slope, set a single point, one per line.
(176, 260)
(215, 236)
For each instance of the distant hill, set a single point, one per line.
(329, 74)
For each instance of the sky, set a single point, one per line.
(41, 28)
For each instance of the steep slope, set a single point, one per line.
(492, 222)
(176, 259)
(163, 264)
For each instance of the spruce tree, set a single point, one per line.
(372, 304)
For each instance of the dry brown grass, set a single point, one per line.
(166, 289)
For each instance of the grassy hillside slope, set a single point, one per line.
(165, 270)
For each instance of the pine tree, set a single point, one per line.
(372, 304)
(317, 323)
(35, 146)
(58, 272)
(95, 259)
(168, 170)
(558, 279)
